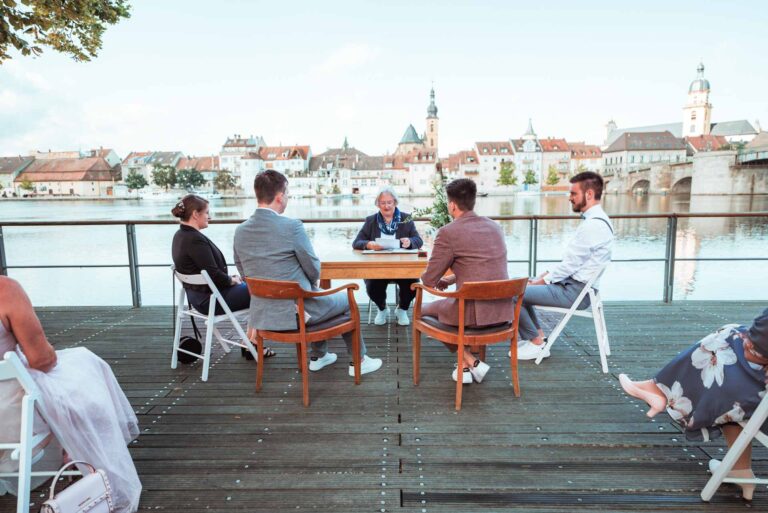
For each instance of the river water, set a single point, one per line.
(635, 239)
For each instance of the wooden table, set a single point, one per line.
(356, 265)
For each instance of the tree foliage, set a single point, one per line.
(438, 212)
(72, 27)
(164, 176)
(224, 180)
(507, 174)
(530, 178)
(135, 181)
(553, 177)
(190, 178)
(27, 184)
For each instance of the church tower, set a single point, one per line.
(431, 133)
(697, 113)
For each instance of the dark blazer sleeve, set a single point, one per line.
(201, 254)
(366, 233)
(410, 231)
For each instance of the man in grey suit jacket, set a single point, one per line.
(273, 247)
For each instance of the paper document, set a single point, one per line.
(388, 242)
(389, 251)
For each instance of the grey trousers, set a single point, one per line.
(561, 294)
(334, 305)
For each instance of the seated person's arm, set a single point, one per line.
(202, 256)
(439, 262)
(25, 326)
(363, 237)
(308, 261)
(413, 237)
(576, 254)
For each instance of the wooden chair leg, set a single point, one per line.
(513, 367)
(259, 361)
(298, 356)
(416, 354)
(304, 374)
(482, 352)
(459, 375)
(356, 354)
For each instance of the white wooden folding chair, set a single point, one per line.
(750, 430)
(211, 320)
(595, 311)
(11, 368)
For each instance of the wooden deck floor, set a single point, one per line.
(573, 441)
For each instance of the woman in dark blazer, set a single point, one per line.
(389, 222)
(193, 252)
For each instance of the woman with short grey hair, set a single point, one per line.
(390, 223)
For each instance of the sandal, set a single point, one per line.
(268, 353)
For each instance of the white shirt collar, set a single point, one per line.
(594, 211)
(267, 208)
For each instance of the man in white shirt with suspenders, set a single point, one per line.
(587, 254)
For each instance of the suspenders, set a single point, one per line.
(606, 223)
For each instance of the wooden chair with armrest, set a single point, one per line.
(463, 336)
(291, 290)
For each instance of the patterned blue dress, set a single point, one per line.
(712, 384)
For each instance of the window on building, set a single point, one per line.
(693, 128)
(693, 116)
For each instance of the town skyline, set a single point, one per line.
(152, 89)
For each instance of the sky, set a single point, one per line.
(185, 74)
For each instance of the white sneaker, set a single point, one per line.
(366, 365)
(479, 370)
(402, 317)
(381, 317)
(520, 343)
(315, 363)
(466, 376)
(531, 351)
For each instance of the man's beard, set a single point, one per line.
(578, 206)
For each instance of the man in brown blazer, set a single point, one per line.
(473, 247)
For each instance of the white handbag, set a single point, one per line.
(91, 494)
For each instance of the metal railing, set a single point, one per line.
(669, 259)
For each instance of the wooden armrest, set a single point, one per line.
(435, 292)
(311, 293)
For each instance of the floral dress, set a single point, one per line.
(713, 383)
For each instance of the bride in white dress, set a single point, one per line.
(85, 407)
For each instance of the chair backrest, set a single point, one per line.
(274, 289)
(12, 368)
(488, 290)
(192, 279)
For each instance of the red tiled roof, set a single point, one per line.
(91, 169)
(455, 160)
(494, 148)
(284, 152)
(580, 150)
(550, 144)
(198, 163)
(707, 142)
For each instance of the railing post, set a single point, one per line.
(3, 264)
(133, 264)
(669, 259)
(533, 245)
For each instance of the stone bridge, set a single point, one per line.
(708, 173)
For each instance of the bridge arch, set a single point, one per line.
(682, 186)
(641, 187)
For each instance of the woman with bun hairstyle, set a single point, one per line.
(193, 252)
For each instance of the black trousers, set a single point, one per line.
(377, 291)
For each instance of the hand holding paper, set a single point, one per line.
(388, 243)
